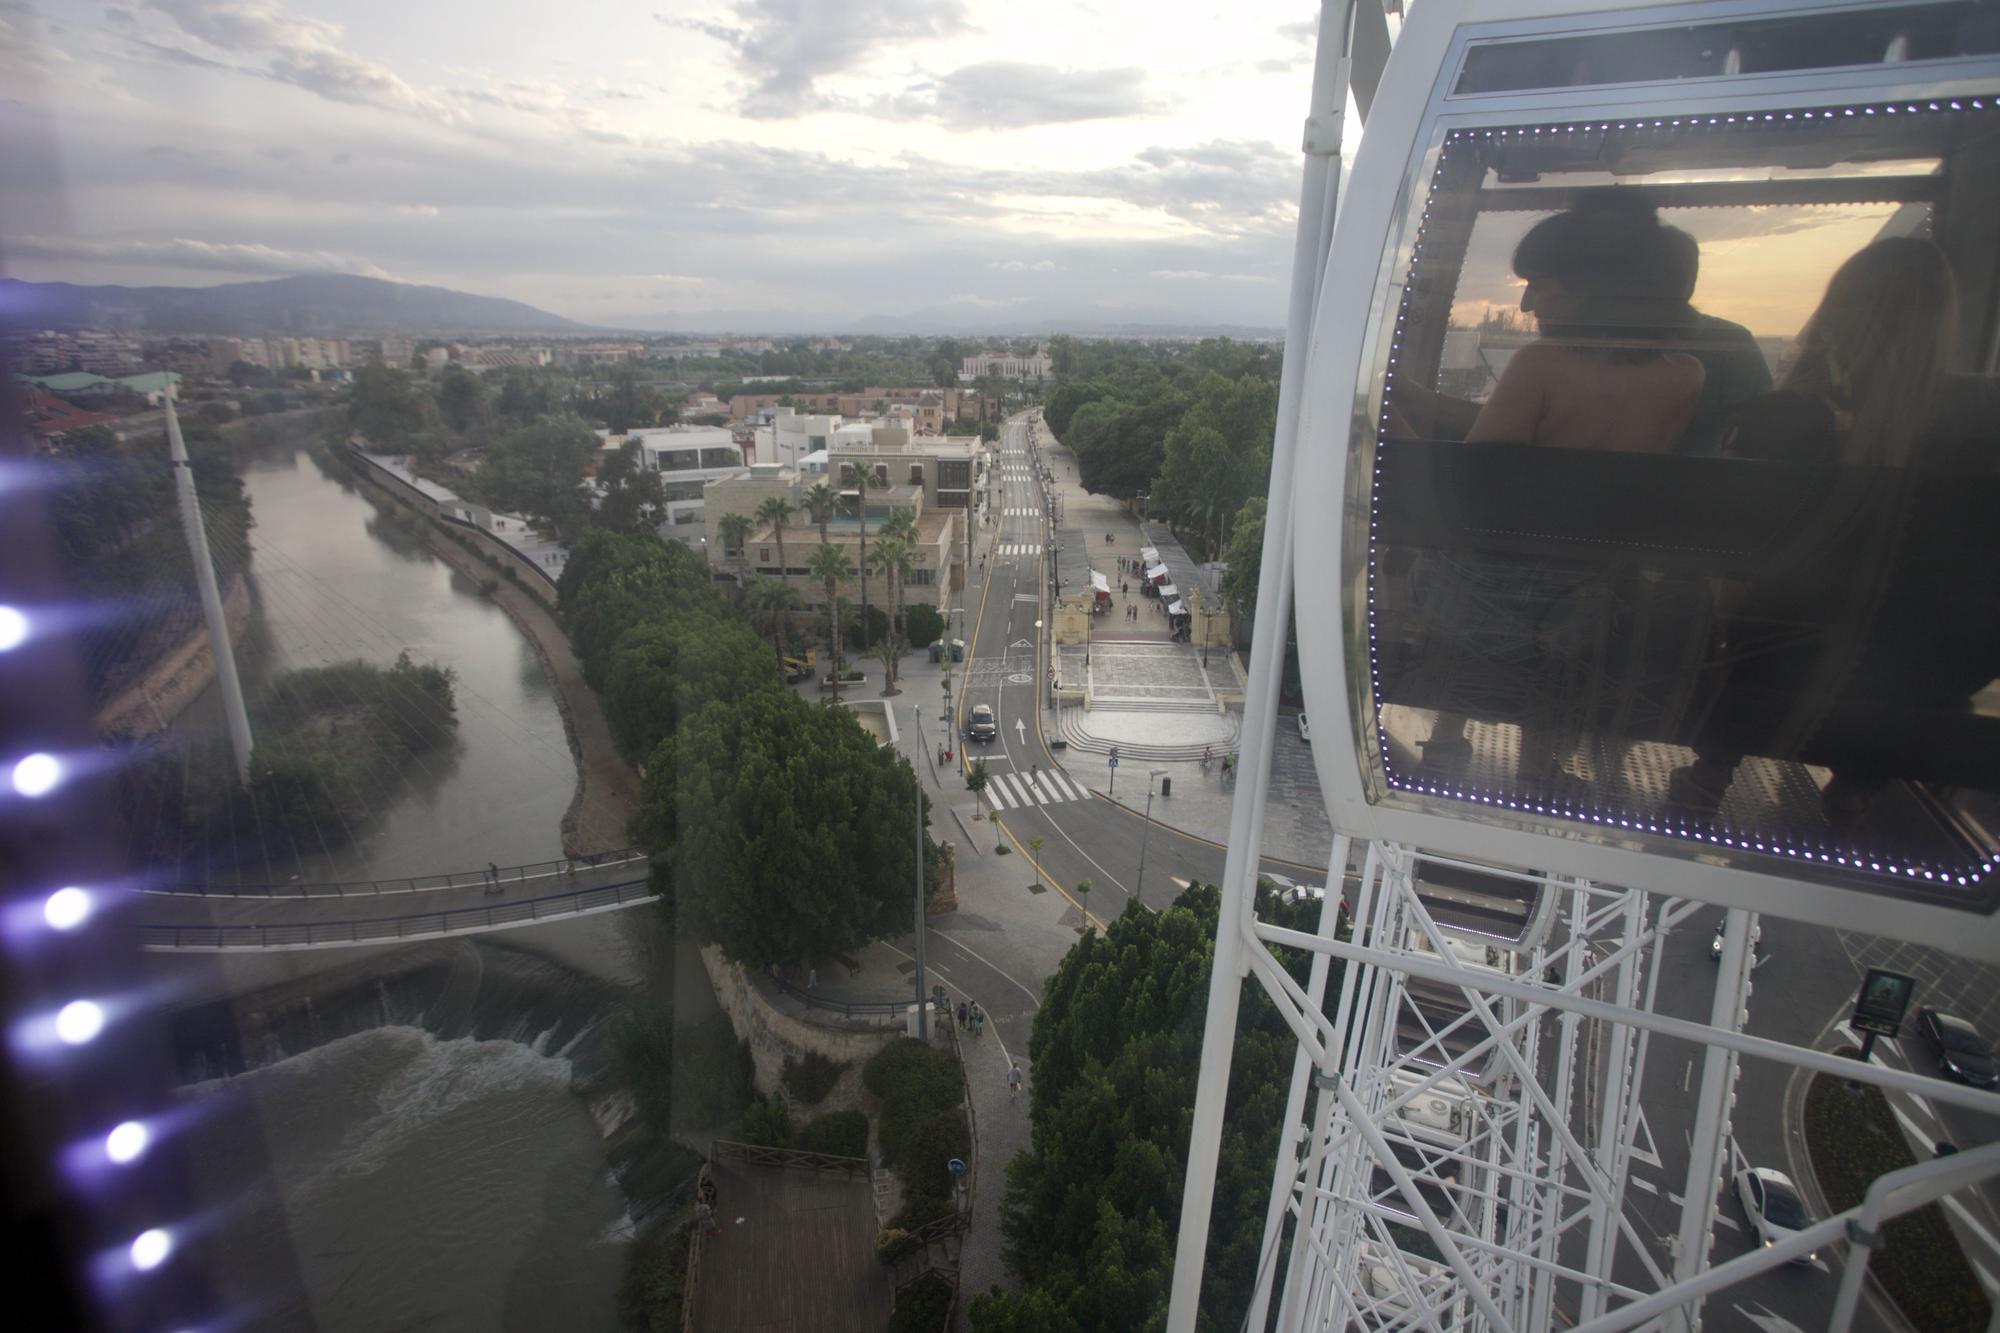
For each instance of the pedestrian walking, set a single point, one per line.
(812, 978)
(978, 1019)
(704, 1215)
(708, 1191)
(1014, 1079)
(961, 1015)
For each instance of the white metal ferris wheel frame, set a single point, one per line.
(1576, 1015)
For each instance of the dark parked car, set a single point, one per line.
(981, 727)
(1961, 1052)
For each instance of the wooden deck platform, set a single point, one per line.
(800, 1260)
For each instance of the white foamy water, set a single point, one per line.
(408, 1182)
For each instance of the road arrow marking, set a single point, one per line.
(1021, 730)
(1020, 643)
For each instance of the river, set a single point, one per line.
(393, 1139)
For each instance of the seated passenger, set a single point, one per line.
(1606, 287)
(1898, 606)
(1733, 366)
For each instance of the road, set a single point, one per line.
(1083, 838)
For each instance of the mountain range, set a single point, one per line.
(325, 303)
(328, 304)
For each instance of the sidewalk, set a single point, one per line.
(998, 922)
(1296, 828)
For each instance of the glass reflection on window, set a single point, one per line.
(1685, 479)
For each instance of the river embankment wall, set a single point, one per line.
(165, 689)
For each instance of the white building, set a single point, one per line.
(1007, 366)
(687, 459)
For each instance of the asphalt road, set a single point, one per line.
(1082, 839)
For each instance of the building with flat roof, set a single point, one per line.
(687, 458)
(938, 558)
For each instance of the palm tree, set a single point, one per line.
(893, 560)
(735, 531)
(778, 511)
(775, 601)
(862, 480)
(831, 563)
(820, 501)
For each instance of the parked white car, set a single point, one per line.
(1305, 729)
(1772, 1204)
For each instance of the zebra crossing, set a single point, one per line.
(1026, 548)
(1018, 791)
(1022, 513)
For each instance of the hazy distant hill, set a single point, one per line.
(1037, 319)
(316, 303)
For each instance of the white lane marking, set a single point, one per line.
(1062, 784)
(1972, 1225)
(995, 795)
(1007, 789)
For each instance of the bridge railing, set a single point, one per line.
(851, 1008)
(758, 1154)
(499, 876)
(388, 930)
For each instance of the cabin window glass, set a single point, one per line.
(1669, 534)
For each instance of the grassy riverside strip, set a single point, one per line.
(1853, 1137)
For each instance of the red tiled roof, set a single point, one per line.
(49, 415)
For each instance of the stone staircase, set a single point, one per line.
(1081, 741)
(1133, 703)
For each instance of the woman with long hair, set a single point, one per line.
(1807, 643)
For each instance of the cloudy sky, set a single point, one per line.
(653, 162)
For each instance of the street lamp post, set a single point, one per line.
(1139, 891)
(923, 997)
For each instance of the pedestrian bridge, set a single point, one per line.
(231, 918)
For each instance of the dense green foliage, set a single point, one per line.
(922, 1306)
(812, 1078)
(655, 1279)
(642, 1046)
(925, 624)
(1190, 427)
(767, 1123)
(837, 1133)
(715, 1073)
(389, 409)
(922, 1124)
(1092, 1207)
(537, 470)
(119, 540)
(1245, 554)
(334, 746)
(787, 828)
(1853, 1137)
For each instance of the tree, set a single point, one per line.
(820, 501)
(894, 562)
(537, 470)
(384, 409)
(924, 623)
(671, 666)
(977, 776)
(632, 498)
(1245, 555)
(734, 530)
(524, 396)
(630, 402)
(775, 602)
(861, 480)
(1092, 1209)
(831, 564)
(463, 399)
(1218, 455)
(1035, 858)
(999, 842)
(778, 511)
(786, 828)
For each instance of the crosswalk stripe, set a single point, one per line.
(993, 795)
(1006, 797)
(1074, 792)
(1007, 791)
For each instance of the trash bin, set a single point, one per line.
(937, 651)
(958, 650)
(1166, 787)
